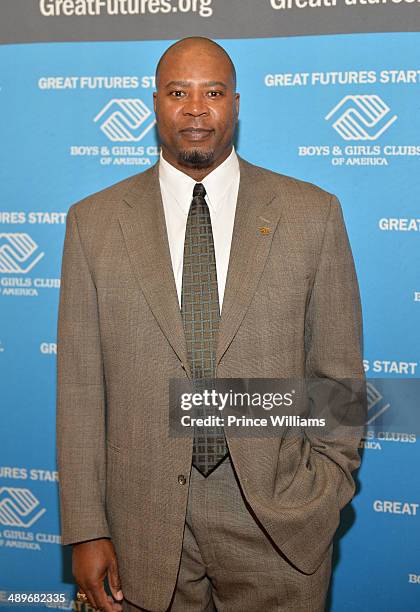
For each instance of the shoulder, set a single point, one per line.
(298, 196)
(105, 203)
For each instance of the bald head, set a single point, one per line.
(195, 46)
(196, 105)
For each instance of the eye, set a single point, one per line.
(176, 93)
(215, 94)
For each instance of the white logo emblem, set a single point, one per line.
(125, 120)
(16, 250)
(19, 507)
(375, 406)
(361, 117)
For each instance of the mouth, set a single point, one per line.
(195, 133)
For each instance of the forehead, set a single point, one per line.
(198, 65)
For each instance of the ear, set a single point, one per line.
(154, 100)
(237, 98)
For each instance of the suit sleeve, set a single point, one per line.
(334, 371)
(80, 424)
(334, 361)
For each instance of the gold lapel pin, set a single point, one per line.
(264, 230)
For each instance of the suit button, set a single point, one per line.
(181, 479)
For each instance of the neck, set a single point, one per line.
(197, 174)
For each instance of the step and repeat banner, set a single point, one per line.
(329, 94)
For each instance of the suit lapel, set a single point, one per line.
(143, 224)
(142, 221)
(256, 218)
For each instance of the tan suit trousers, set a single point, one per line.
(229, 564)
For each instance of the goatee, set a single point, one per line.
(196, 158)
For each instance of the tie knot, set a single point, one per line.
(199, 190)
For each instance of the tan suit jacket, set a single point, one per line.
(291, 307)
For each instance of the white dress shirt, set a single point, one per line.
(221, 186)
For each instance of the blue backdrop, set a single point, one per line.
(341, 111)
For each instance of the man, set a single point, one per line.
(203, 266)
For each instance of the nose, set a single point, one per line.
(195, 105)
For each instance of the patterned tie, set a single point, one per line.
(201, 315)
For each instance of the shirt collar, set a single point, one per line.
(181, 186)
